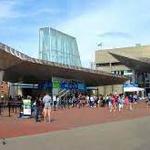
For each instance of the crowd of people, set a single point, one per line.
(114, 102)
(42, 106)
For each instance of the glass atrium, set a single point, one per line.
(58, 47)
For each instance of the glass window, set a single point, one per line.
(58, 47)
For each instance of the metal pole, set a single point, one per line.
(9, 108)
(1, 80)
(0, 108)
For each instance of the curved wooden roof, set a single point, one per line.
(20, 67)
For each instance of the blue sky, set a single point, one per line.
(115, 23)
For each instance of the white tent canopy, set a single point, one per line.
(133, 89)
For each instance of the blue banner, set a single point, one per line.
(45, 85)
(130, 85)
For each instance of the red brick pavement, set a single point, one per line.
(67, 119)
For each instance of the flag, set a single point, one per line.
(99, 45)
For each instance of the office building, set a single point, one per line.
(126, 62)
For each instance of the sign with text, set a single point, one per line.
(27, 107)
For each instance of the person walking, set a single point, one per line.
(120, 102)
(55, 102)
(126, 102)
(110, 105)
(131, 101)
(47, 100)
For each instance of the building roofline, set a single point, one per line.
(119, 48)
(59, 32)
(21, 60)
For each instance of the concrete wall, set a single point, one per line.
(109, 64)
(112, 68)
(102, 56)
(110, 89)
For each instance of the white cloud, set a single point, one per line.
(116, 34)
(124, 16)
(49, 11)
(6, 9)
(128, 17)
(10, 9)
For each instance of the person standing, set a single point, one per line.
(131, 101)
(37, 109)
(47, 100)
(110, 105)
(92, 101)
(113, 99)
(55, 102)
(120, 102)
(58, 102)
(126, 102)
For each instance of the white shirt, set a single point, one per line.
(47, 99)
(54, 98)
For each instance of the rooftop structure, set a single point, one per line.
(58, 47)
(16, 66)
(107, 62)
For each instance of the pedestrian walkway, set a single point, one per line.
(66, 120)
(121, 135)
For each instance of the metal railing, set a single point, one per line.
(9, 107)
